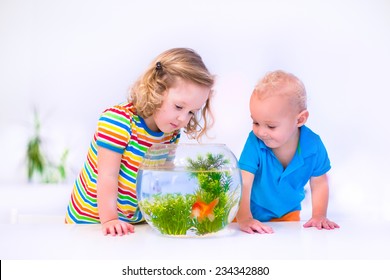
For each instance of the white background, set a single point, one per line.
(72, 59)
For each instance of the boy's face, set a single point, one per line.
(275, 120)
(181, 103)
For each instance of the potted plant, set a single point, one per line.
(39, 168)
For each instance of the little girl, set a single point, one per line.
(173, 93)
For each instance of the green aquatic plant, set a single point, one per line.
(209, 173)
(169, 213)
(210, 162)
(214, 182)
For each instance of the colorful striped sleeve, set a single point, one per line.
(113, 130)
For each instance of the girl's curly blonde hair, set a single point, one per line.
(164, 71)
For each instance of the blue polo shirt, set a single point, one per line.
(277, 191)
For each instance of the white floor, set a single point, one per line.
(33, 236)
(32, 227)
(353, 241)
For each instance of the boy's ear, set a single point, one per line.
(302, 117)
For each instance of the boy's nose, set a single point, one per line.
(261, 132)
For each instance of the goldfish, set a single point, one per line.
(201, 210)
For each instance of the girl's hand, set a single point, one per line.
(251, 226)
(117, 227)
(320, 223)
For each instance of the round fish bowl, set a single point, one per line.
(189, 189)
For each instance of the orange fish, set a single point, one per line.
(202, 210)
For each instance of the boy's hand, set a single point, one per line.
(251, 226)
(320, 223)
(117, 227)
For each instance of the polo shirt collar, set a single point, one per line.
(304, 150)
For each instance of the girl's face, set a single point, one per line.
(275, 120)
(181, 103)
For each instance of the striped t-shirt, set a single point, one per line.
(120, 130)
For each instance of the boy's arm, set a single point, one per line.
(108, 166)
(244, 215)
(244, 212)
(319, 196)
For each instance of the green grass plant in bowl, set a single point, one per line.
(189, 189)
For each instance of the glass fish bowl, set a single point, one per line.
(189, 189)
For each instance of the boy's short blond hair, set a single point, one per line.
(164, 71)
(283, 84)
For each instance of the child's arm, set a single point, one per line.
(319, 196)
(107, 193)
(244, 216)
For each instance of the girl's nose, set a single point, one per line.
(182, 117)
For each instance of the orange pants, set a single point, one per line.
(294, 216)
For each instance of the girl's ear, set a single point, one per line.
(302, 117)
